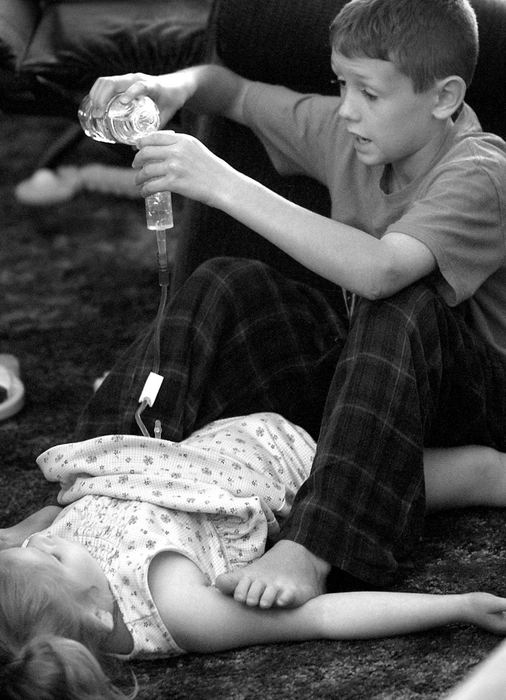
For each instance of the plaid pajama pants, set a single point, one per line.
(406, 372)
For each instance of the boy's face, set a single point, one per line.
(388, 121)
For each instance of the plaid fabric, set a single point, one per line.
(240, 338)
(411, 374)
(237, 338)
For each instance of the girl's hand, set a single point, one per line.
(486, 611)
(180, 163)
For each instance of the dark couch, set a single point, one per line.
(51, 52)
(286, 42)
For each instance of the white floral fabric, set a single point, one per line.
(214, 497)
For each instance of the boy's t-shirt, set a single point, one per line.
(457, 208)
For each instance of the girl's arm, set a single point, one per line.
(201, 619)
(207, 621)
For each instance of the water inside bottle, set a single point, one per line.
(127, 122)
(94, 127)
(121, 123)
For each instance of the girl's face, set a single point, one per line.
(388, 121)
(69, 560)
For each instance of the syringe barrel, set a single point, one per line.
(159, 211)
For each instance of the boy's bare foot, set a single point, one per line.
(288, 575)
(15, 535)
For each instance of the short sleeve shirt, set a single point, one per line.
(215, 497)
(457, 208)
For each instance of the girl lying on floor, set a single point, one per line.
(135, 564)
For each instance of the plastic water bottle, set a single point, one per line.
(125, 123)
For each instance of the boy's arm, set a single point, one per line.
(346, 256)
(373, 268)
(216, 90)
(209, 89)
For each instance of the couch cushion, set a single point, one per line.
(75, 42)
(18, 19)
(282, 41)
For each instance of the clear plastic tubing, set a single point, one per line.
(125, 123)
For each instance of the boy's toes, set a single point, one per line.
(288, 598)
(255, 594)
(227, 583)
(242, 589)
(269, 597)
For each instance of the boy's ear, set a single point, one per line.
(450, 94)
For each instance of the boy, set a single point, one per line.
(416, 239)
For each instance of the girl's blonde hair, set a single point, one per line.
(49, 646)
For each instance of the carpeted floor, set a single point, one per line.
(77, 281)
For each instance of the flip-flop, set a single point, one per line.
(12, 391)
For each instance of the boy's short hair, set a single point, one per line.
(427, 40)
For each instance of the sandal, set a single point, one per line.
(12, 391)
